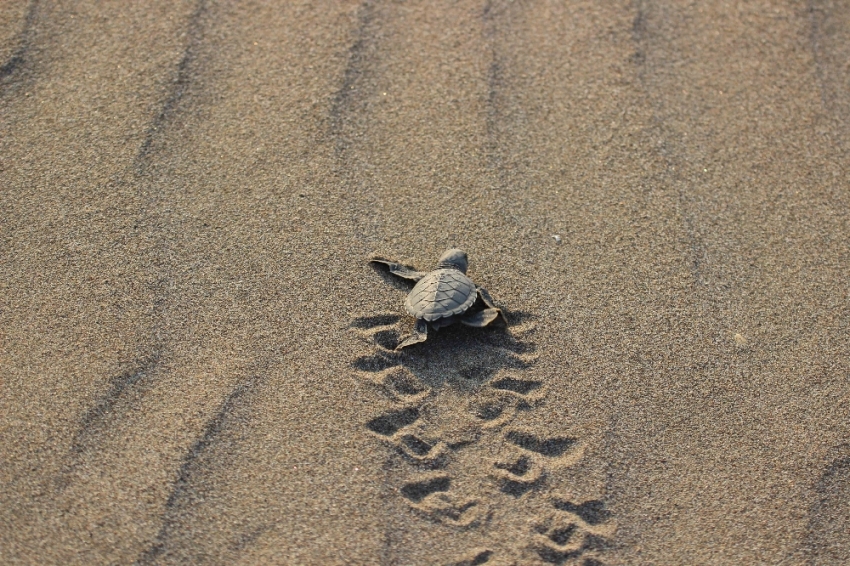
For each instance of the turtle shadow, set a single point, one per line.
(456, 356)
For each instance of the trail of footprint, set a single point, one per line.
(383, 370)
(574, 533)
(440, 442)
(432, 498)
(475, 558)
(534, 458)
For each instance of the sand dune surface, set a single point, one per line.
(197, 361)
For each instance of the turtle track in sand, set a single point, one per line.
(450, 412)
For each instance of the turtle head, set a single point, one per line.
(454, 259)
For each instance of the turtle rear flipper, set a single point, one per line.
(399, 269)
(481, 318)
(419, 334)
(491, 306)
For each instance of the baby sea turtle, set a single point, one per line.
(443, 297)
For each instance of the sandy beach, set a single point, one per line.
(197, 361)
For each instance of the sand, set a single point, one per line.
(196, 360)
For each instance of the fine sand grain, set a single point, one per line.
(196, 360)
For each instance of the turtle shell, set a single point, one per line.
(440, 294)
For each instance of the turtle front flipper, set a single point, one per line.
(419, 334)
(492, 311)
(399, 269)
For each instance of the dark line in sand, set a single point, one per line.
(496, 110)
(178, 87)
(183, 489)
(107, 403)
(644, 70)
(638, 33)
(342, 124)
(495, 81)
(827, 16)
(832, 486)
(816, 17)
(24, 41)
(111, 405)
(141, 163)
(359, 60)
(245, 540)
(117, 400)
